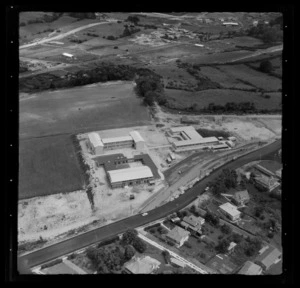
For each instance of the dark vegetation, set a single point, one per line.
(45, 19)
(111, 257)
(226, 180)
(81, 15)
(212, 133)
(269, 33)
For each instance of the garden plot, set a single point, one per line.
(255, 78)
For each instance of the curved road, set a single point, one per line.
(102, 233)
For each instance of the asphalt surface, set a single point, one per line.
(78, 242)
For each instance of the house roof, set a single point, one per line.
(136, 136)
(265, 180)
(250, 268)
(192, 220)
(241, 196)
(178, 234)
(128, 174)
(95, 139)
(230, 209)
(142, 265)
(196, 141)
(231, 246)
(269, 256)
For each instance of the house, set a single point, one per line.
(221, 264)
(193, 224)
(231, 247)
(141, 265)
(269, 255)
(178, 236)
(269, 183)
(230, 211)
(250, 268)
(241, 198)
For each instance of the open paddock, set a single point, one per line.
(182, 99)
(47, 166)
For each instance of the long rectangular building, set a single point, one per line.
(190, 139)
(95, 143)
(130, 176)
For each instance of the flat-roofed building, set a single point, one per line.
(118, 142)
(129, 176)
(250, 268)
(95, 143)
(138, 140)
(230, 211)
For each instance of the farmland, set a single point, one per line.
(47, 166)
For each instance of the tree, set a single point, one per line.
(149, 98)
(139, 245)
(166, 255)
(222, 246)
(129, 252)
(266, 66)
(129, 236)
(226, 229)
(132, 18)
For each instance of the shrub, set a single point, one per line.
(188, 245)
(110, 37)
(139, 245)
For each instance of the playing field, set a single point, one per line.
(48, 166)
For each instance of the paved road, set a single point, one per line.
(102, 233)
(62, 35)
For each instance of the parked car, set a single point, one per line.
(145, 214)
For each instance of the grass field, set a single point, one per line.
(81, 109)
(254, 77)
(183, 99)
(48, 166)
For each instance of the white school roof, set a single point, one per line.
(230, 209)
(95, 139)
(189, 131)
(128, 174)
(117, 139)
(195, 142)
(136, 136)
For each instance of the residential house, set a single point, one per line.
(269, 256)
(141, 265)
(193, 224)
(241, 198)
(269, 183)
(178, 236)
(250, 268)
(230, 211)
(231, 247)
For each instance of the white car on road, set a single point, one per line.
(144, 214)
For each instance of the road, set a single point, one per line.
(78, 242)
(62, 35)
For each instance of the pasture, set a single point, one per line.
(48, 166)
(182, 99)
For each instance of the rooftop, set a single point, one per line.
(116, 139)
(178, 234)
(241, 195)
(188, 130)
(136, 136)
(250, 268)
(192, 220)
(195, 142)
(144, 265)
(222, 264)
(127, 174)
(230, 209)
(269, 256)
(95, 139)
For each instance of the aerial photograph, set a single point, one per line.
(150, 143)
